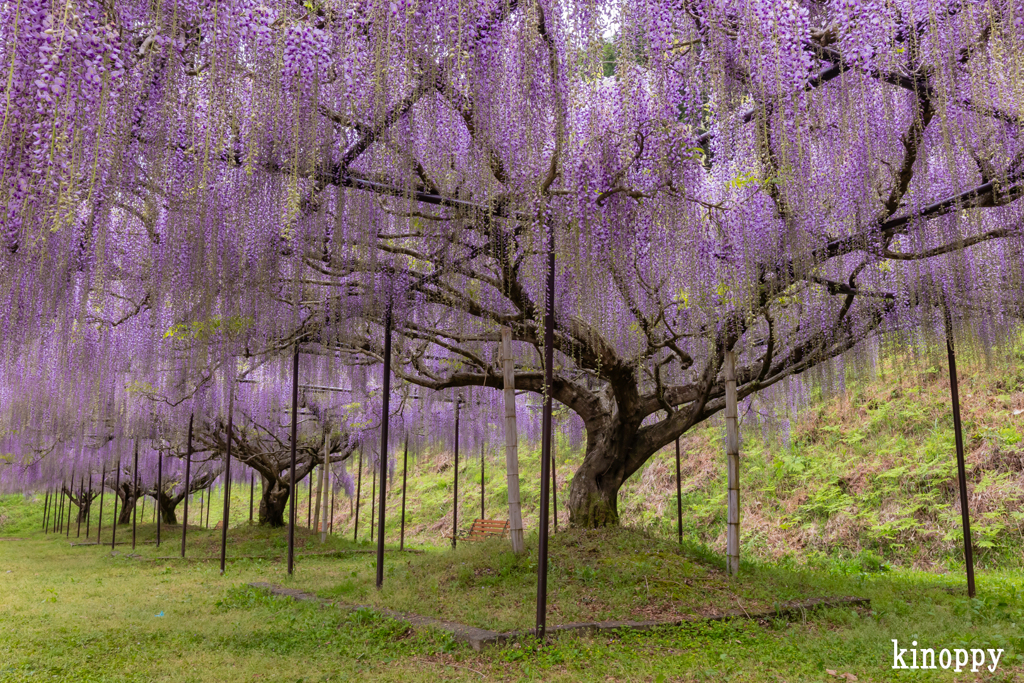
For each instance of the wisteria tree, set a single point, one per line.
(778, 179)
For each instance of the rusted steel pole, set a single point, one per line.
(385, 419)
(545, 457)
(405, 471)
(99, 518)
(679, 495)
(135, 491)
(294, 433)
(965, 512)
(71, 490)
(159, 491)
(227, 483)
(188, 475)
(455, 496)
(88, 510)
(359, 488)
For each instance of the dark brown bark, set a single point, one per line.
(273, 502)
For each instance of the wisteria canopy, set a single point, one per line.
(192, 188)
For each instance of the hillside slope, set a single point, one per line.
(867, 475)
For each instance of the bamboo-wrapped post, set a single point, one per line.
(373, 504)
(252, 489)
(321, 494)
(328, 500)
(483, 493)
(554, 487)
(309, 500)
(732, 452)
(679, 495)
(515, 515)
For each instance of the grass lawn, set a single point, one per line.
(83, 614)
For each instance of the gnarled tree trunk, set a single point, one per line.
(274, 502)
(168, 506)
(594, 491)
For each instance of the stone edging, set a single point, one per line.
(478, 637)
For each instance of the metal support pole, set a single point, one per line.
(679, 495)
(58, 523)
(483, 493)
(385, 419)
(159, 491)
(99, 518)
(965, 513)
(46, 509)
(732, 451)
(81, 506)
(455, 496)
(252, 488)
(135, 491)
(373, 503)
(88, 510)
(359, 490)
(291, 510)
(63, 504)
(325, 487)
(405, 471)
(188, 474)
(227, 482)
(545, 457)
(71, 490)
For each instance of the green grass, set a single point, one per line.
(82, 614)
(858, 501)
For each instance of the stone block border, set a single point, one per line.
(477, 638)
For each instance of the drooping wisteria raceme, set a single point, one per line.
(192, 189)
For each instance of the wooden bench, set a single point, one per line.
(485, 528)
